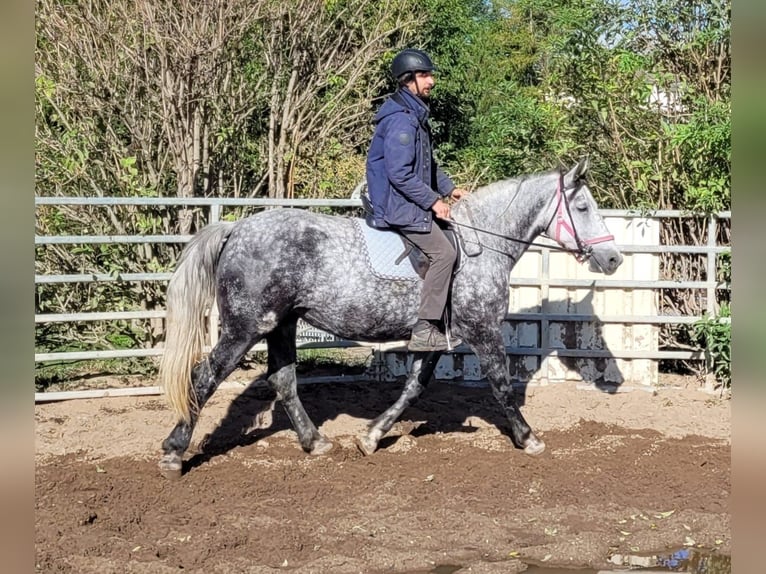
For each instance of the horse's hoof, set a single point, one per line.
(170, 466)
(534, 446)
(321, 446)
(366, 445)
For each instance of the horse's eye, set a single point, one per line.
(582, 206)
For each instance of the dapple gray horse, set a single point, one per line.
(277, 266)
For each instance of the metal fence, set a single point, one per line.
(312, 338)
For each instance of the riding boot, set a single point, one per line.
(426, 336)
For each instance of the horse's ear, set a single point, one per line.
(576, 173)
(583, 164)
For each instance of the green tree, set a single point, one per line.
(188, 99)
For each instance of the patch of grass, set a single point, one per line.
(134, 371)
(330, 361)
(71, 375)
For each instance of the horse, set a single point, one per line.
(270, 269)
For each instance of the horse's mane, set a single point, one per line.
(512, 181)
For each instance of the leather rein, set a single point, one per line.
(564, 222)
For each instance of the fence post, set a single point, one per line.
(545, 342)
(712, 280)
(710, 304)
(215, 217)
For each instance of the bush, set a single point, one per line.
(714, 333)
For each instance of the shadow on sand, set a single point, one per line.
(443, 407)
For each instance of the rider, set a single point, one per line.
(407, 189)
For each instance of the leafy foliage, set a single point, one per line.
(275, 98)
(714, 333)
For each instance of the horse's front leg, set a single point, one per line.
(422, 370)
(491, 354)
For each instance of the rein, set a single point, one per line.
(509, 238)
(584, 249)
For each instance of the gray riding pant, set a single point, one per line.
(441, 256)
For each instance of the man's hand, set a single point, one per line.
(457, 193)
(441, 209)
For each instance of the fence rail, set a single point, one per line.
(710, 250)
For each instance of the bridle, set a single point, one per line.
(584, 246)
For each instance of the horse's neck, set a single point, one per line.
(515, 208)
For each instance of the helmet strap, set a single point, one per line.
(417, 86)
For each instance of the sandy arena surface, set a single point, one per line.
(629, 472)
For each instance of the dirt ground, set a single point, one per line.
(630, 472)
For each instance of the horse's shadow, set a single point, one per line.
(602, 372)
(255, 414)
(442, 407)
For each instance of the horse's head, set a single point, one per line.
(577, 224)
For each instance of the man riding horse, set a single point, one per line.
(407, 189)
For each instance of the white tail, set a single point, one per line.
(189, 296)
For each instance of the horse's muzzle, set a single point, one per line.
(605, 261)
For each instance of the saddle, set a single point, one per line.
(464, 240)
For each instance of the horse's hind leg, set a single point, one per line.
(492, 359)
(422, 371)
(205, 378)
(281, 378)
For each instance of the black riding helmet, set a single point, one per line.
(411, 60)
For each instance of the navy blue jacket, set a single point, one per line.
(403, 180)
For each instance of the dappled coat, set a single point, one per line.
(403, 180)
